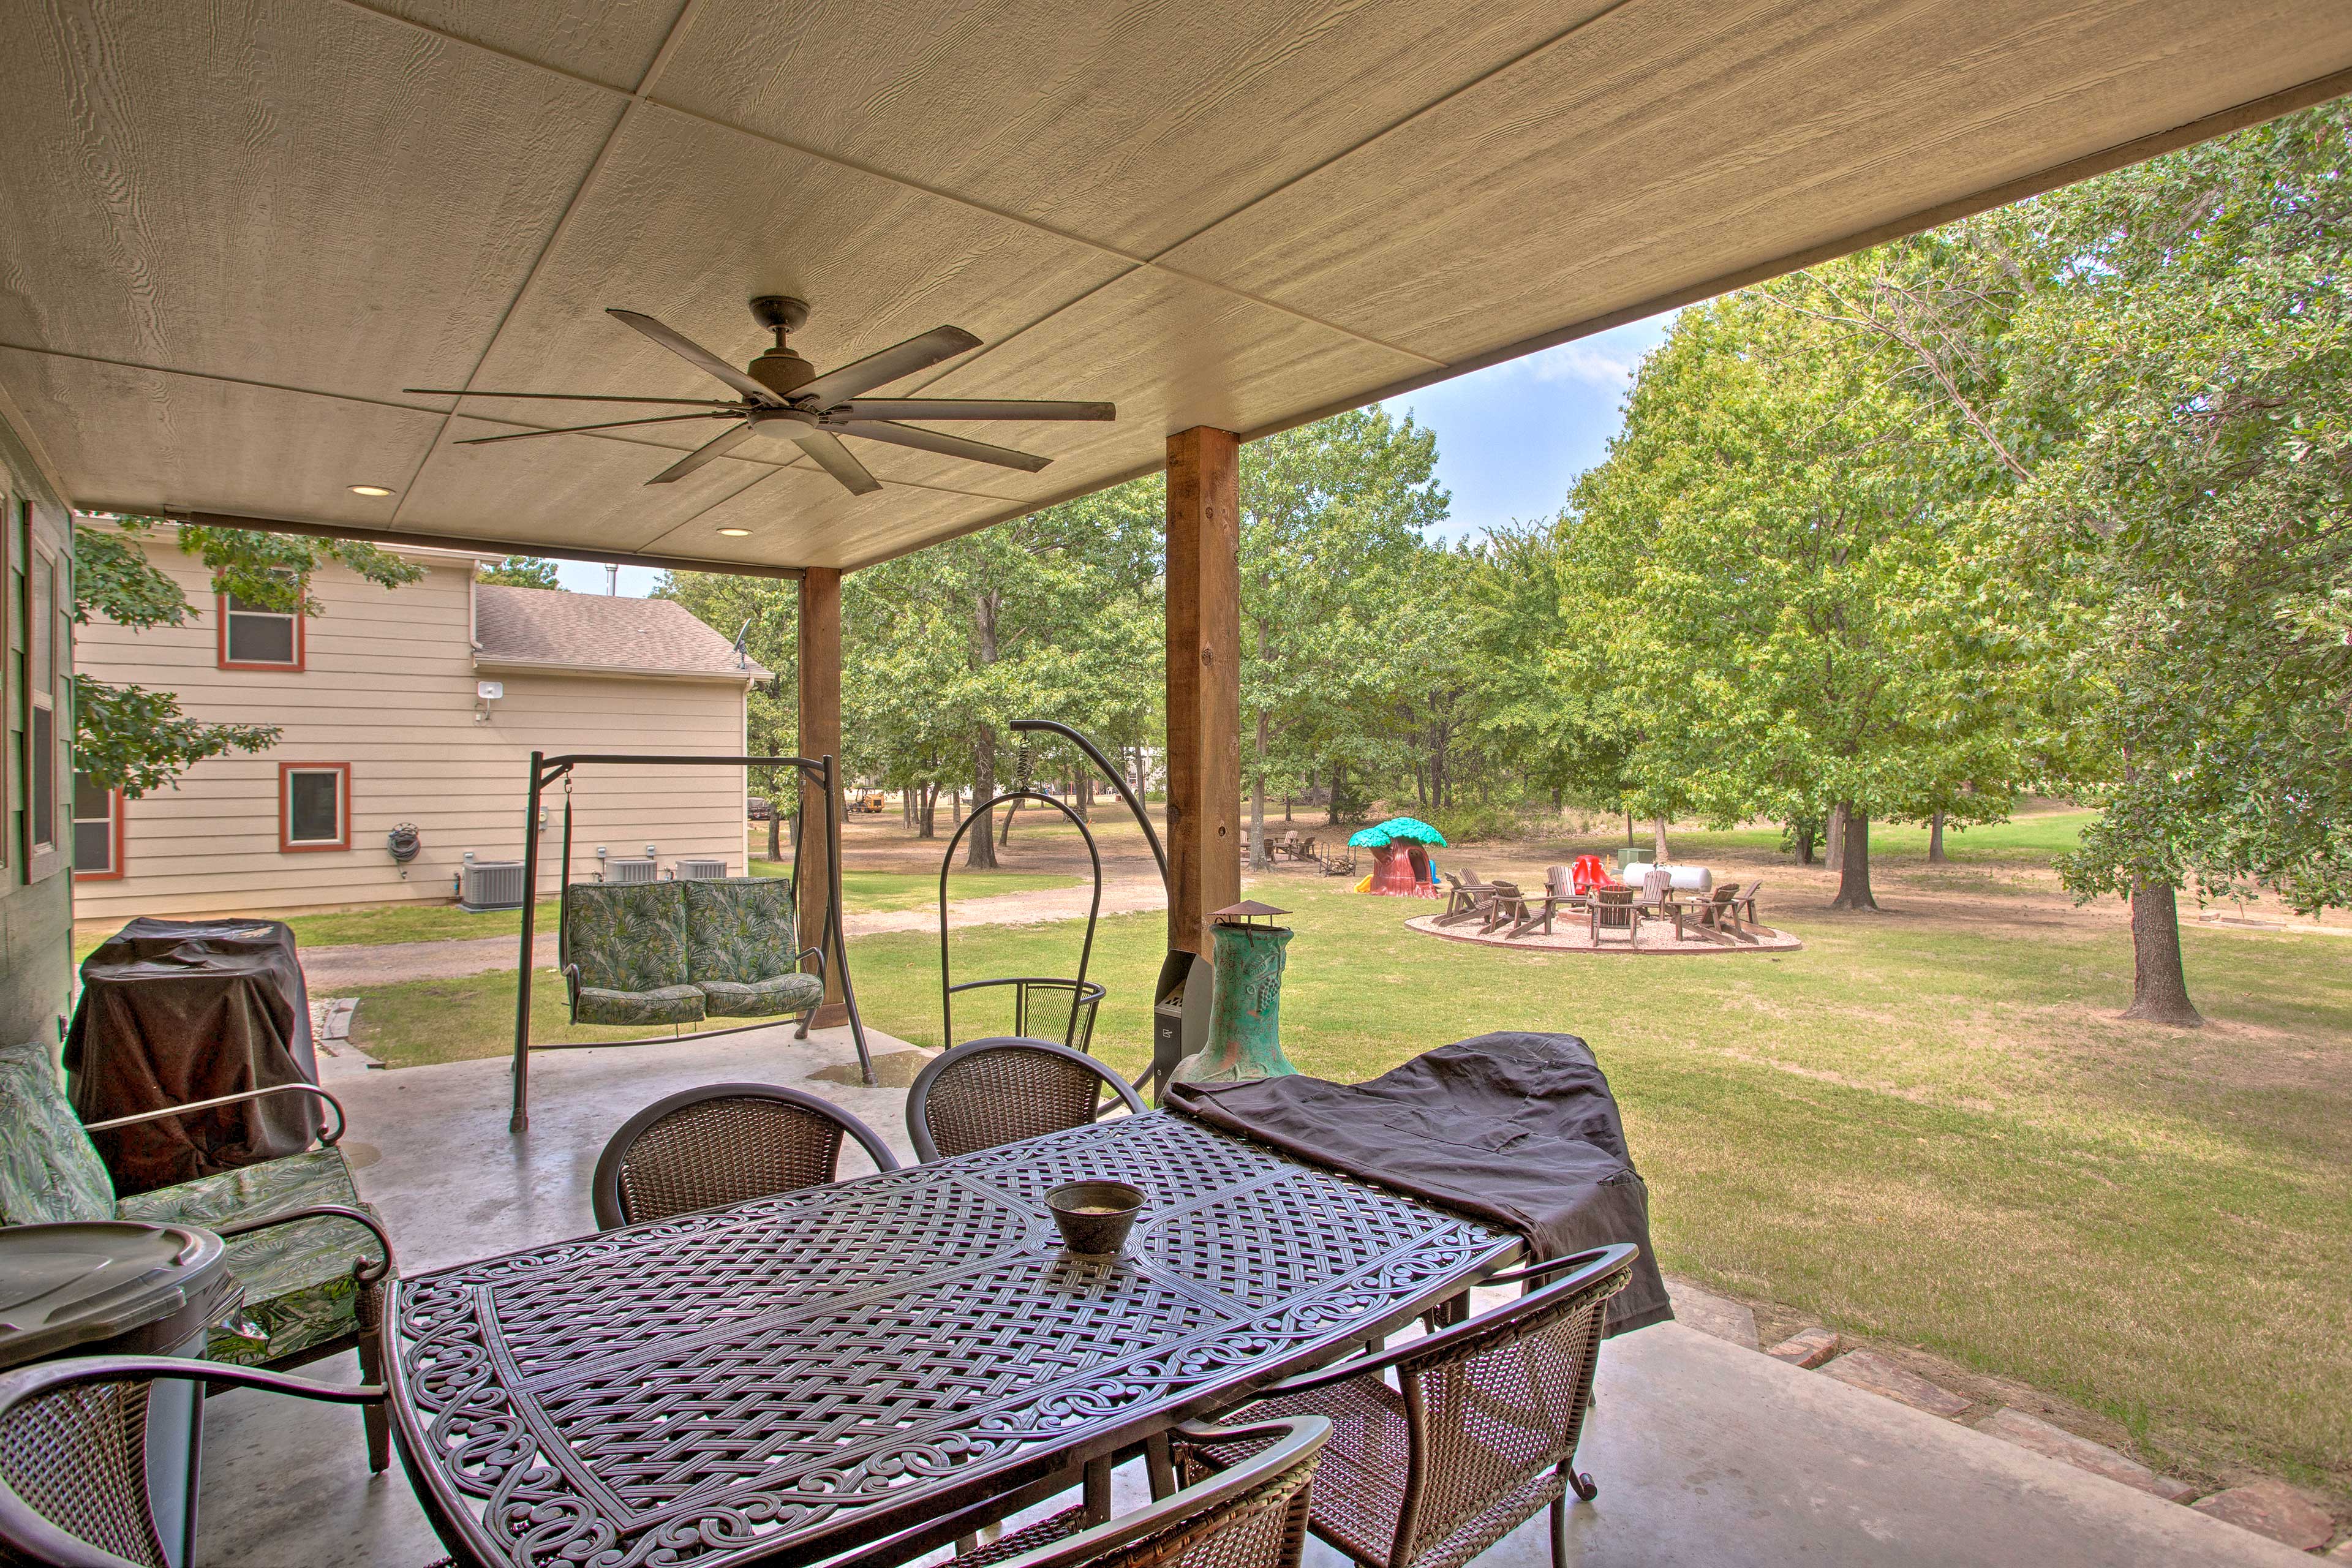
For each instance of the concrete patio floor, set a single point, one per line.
(1707, 1454)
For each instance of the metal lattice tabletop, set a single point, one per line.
(785, 1380)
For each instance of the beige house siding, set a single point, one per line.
(389, 688)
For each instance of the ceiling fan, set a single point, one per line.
(782, 394)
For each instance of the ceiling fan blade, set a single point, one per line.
(897, 360)
(836, 459)
(949, 446)
(569, 429)
(694, 353)
(967, 408)
(569, 396)
(724, 442)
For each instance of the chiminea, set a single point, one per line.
(1245, 1028)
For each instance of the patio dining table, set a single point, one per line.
(880, 1366)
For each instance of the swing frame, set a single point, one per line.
(983, 814)
(821, 772)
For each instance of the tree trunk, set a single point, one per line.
(1331, 807)
(1082, 793)
(1801, 834)
(1853, 868)
(1833, 849)
(775, 830)
(2160, 989)
(979, 847)
(1936, 855)
(1285, 808)
(1259, 859)
(926, 812)
(1658, 842)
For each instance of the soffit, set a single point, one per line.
(240, 227)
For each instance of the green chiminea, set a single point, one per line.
(1245, 1025)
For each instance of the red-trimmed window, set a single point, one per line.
(314, 806)
(253, 637)
(97, 831)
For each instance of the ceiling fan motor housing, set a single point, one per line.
(780, 370)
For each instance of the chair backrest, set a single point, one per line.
(626, 936)
(721, 1144)
(1612, 906)
(1507, 892)
(1656, 882)
(49, 1171)
(1001, 1090)
(1251, 1515)
(739, 929)
(1496, 1402)
(1555, 880)
(73, 1454)
(1725, 894)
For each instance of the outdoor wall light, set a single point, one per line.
(735, 533)
(368, 490)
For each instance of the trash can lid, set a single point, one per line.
(67, 1285)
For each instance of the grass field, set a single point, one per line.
(862, 892)
(1928, 1127)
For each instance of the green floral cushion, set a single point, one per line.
(762, 998)
(738, 929)
(626, 936)
(662, 1005)
(49, 1173)
(298, 1290)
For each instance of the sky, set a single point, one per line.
(1510, 438)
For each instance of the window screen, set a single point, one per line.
(314, 813)
(258, 636)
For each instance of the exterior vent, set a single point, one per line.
(490, 885)
(629, 868)
(701, 871)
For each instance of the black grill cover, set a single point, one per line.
(1520, 1129)
(174, 1011)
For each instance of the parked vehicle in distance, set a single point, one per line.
(868, 801)
(758, 808)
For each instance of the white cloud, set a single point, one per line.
(1592, 363)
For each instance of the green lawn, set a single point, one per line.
(864, 892)
(1927, 1127)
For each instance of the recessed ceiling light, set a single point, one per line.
(369, 490)
(735, 533)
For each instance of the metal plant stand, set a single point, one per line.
(887, 1360)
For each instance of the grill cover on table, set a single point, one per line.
(1518, 1129)
(174, 1011)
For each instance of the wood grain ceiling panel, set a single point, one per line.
(140, 438)
(609, 41)
(1172, 353)
(799, 514)
(1674, 142)
(300, 193)
(1131, 122)
(580, 489)
(686, 221)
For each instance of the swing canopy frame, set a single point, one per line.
(820, 774)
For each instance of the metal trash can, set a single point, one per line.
(120, 1288)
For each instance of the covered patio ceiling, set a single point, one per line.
(235, 231)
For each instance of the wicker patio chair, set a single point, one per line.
(73, 1454)
(721, 1144)
(1479, 1433)
(1612, 911)
(1001, 1090)
(1251, 1513)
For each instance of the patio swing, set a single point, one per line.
(639, 950)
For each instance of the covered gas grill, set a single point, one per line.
(175, 1010)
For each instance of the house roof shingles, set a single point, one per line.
(599, 632)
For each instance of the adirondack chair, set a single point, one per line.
(1466, 899)
(1614, 913)
(1743, 908)
(1506, 905)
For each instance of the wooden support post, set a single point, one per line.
(1204, 671)
(820, 736)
